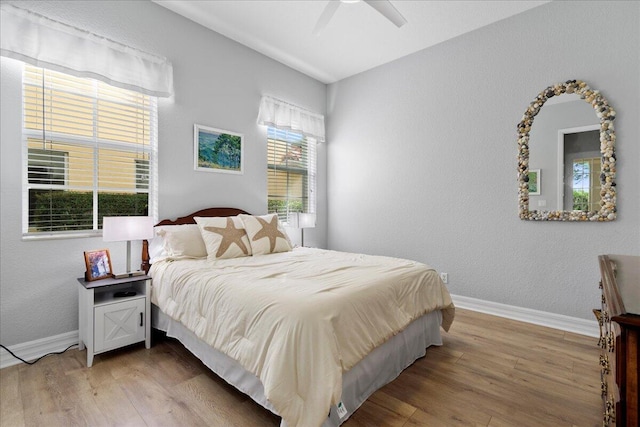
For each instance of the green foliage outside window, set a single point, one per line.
(580, 200)
(281, 207)
(56, 210)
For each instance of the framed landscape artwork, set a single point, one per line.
(217, 150)
(534, 182)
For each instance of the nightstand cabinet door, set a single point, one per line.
(119, 324)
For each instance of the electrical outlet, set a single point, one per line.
(444, 277)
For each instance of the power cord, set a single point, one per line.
(31, 363)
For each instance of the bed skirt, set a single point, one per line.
(378, 368)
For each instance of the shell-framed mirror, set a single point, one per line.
(567, 164)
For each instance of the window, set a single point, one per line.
(90, 151)
(47, 167)
(291, 163)
(586, 184)
(142, 174)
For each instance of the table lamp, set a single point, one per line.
(127, 228)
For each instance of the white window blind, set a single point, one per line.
(90, 150)
(291, 173)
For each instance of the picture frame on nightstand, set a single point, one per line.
(98, 264)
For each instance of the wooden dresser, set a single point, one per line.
(619, 320)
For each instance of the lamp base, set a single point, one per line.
(129, 274)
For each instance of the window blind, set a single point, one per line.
(90, 151)
(291, 173)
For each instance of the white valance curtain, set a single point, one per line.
(284, 116)
(43, 42)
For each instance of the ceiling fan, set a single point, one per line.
(384, 7)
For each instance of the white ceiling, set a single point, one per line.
(356, 39)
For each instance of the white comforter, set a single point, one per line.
(299, 319)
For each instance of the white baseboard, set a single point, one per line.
(33, 349)
(542, 318)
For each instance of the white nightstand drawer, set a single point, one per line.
(119, 324)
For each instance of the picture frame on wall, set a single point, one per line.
(218, 150)
(534, 182)
(98, 265)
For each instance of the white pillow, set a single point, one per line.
(224, 237)
(181, 241)
(156, 249)
(266, 234)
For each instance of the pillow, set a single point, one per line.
(224, 237)
(156, 249)
(182, 241)
(266, 234)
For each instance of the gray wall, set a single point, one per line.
(422, 155)
(218, 83)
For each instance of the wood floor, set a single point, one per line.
(489, 372)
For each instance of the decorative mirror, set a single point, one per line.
(567, 165)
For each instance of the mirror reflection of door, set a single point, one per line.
(581, 170)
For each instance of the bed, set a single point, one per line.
(307, 333)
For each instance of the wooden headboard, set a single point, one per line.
(188, 219)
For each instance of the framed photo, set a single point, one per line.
(98, 265)
(217, 150)
(534, 182)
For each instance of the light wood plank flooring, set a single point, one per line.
(489, 372)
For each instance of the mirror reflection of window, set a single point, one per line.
(586, 184)
(582, 171)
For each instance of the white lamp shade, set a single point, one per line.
(122, 228)
(306, 220)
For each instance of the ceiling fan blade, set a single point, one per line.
(326, 16)
(388, 11)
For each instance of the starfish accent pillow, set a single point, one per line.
(224, 237)
(266, 234)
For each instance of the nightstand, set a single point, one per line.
(107, 321)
